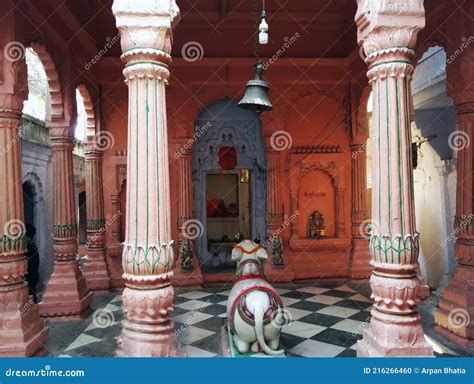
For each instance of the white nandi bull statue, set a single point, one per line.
(254, 308)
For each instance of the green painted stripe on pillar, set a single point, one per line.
(388, 162)
(400, 164)
(157, 160)
(136, 184)
(147, 111)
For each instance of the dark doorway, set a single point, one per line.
(82, 218)
(32, 255)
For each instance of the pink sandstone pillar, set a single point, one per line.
(455, 317)
(188, 271)
(360, 268)
(387, 31)
(148, 258)
(67, 297)
(22, 332)
(276, 269)
(95, 268)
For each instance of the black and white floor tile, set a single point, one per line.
(326, 321)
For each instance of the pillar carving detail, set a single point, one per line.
(387, 31)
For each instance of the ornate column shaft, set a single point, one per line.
(95, 268)
(455, 317)
(145, 28)
(360, 268)
(387, 31)
(67, 297)
(22, 332)
(188, 271)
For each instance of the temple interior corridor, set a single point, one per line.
(200, 177)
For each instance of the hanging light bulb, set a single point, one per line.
(263, 27)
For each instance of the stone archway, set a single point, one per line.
(224, 124)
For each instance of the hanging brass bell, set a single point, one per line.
(256, 93)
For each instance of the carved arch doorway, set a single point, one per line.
(223, 124)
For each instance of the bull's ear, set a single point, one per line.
(262, 253)
(237, 254)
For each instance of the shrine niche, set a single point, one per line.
(317, 192)
(316, 205)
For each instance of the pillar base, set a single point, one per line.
(67, 297)
(361, 267)
(456, 339)
(139, 340)
(455, 317)
(95, 272)
(147, 330)
(23, 333)
(278, 274)
(393, 336)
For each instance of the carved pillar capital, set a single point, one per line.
(146, 36)
(92, 153)
(383, 27)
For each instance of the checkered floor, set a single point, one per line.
(326, 321)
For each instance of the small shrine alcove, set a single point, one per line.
(229, 181)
